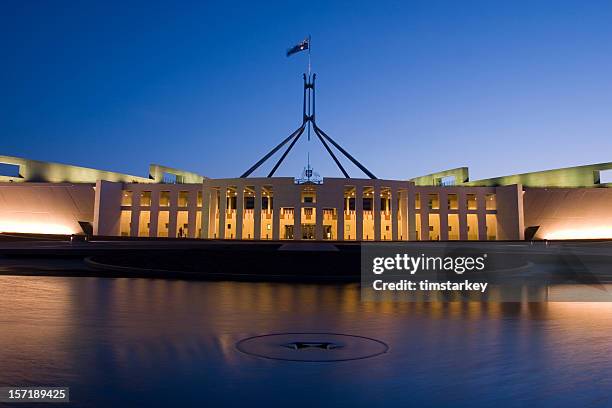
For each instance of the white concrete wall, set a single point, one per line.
(510, 212)
(569, 213)
(107, 208)
(45, 208)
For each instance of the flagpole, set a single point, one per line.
(309, 80)
(309, 45)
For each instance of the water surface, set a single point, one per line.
(158, 343)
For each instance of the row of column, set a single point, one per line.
(443, 212)
(209, 230)
(172, 209)
(405, 230)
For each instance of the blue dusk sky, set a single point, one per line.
(407, 87)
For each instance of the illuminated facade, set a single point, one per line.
(52, 198)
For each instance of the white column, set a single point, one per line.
(394, 203)
(481, 203)
(206, 211)
(443, 214)
(212, 214)
(424, 216)
(192, 212)
(297, 221)
(376, 212)
(239, 210)
(463, 232)
(411, 207)
(173, 213)
(154, 213)
(257, 214)
(403, 210)
(359, 212)
(319, 223)
(275, 216)
(340, 219)
(222, 211)
(135, 221)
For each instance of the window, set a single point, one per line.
(144, 223)
(145, 199)
(231, 202)
(434, 227)
(471, 201)
(472, 227)
(182, 224)
(417, 201)
(164, 199)
(163, 223)
(9, 170)
(491, 226)
(446, 181)
(199, 198)
(183, 198)
(453, 227)
(169, 178)
(384, 204)
(605, 176)
(309, 195)
(452, 202)
(491, 202)
(433, 202)
(266, 203)
(126, 198)
(125, 223)
(199, 224)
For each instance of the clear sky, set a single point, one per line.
(407, 87)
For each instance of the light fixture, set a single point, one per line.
(35, 228)
(581, 233)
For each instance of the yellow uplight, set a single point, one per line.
(582, 233)
(34, 228)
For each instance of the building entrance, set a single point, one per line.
(288, 232)
(308, 231)
(327, 232)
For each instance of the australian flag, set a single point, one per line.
(304, 45)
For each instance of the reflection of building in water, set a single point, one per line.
(77, 331)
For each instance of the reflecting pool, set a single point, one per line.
(160, 343)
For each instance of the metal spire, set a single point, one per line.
(308, 119)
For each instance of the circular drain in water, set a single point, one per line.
(312, 347)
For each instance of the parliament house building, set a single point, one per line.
(50, 198)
